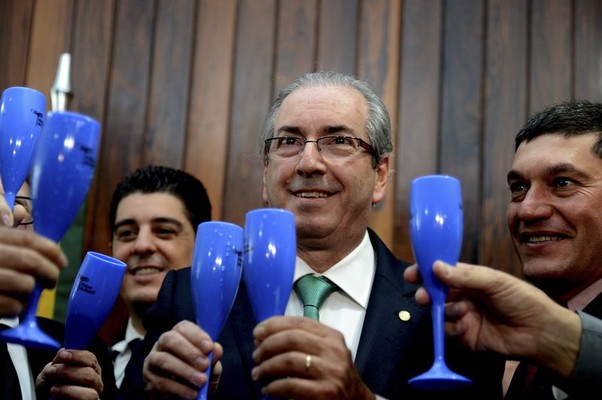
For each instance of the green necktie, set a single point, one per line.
(313, 290)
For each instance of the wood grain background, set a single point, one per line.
(185, 83)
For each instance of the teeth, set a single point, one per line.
(538, 239)
(147, 271)
(312, 195)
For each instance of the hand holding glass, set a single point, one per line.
(215, 275)
(62, 171)
(436, 227)
(92, 297)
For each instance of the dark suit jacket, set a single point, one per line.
(390, 350)
(544, 379)
(39, 358)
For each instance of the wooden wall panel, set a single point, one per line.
(50, 20)
(251, 96)
(506, 96)
(418, 108)
(15, 28)
(92, 43)
(378, 64)
(461, 113)
(337, 35)
(588, 50)
(210, 108)
(551, 53)
(295, 42)
(170, 83)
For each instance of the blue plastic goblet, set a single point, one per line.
(22, 112)
(436, 227)
(93, 294)
(215, 276)
(269, 263)
(61, 174)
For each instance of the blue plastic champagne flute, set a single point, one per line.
(215, 275)
(269, 263)
(92, 297)
(22, 114)
(436, 227)
(61, 174)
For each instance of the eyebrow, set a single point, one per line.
(327, 130)
(556, 169)
(158, 220)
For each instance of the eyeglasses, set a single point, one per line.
(22, 211)
(331, 147)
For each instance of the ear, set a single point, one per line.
(380, 183)
(265, 192)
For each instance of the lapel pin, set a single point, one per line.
(404, 315)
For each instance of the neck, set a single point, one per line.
(137, 324)
(136, 313)
(322, 257)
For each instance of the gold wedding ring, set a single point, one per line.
(307, 362)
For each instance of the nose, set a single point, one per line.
(311, 160)
(536, 205)
(145, 242)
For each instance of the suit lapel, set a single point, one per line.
(238, 334)
(380, 346)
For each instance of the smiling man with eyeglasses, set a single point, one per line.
(32, 373)
(39, 258)
(330, 147)
(326, 144)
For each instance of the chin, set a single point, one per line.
(145, 300)
(144, 295)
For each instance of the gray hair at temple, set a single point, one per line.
(378, 123)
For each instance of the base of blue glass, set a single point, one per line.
(29, 336)
(439, 377)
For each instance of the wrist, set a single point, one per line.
(560, 342)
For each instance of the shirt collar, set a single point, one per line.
(10, 322)
(350, 274)
(583, 298)
(130, 334)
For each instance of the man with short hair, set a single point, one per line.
(554, 218)
(153, 217)
(326, 145)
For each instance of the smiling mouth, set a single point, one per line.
(312, 195)
(540, 239)
(146, 271)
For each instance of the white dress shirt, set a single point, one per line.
(18, 355)
(343, 310)
(124, 352)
